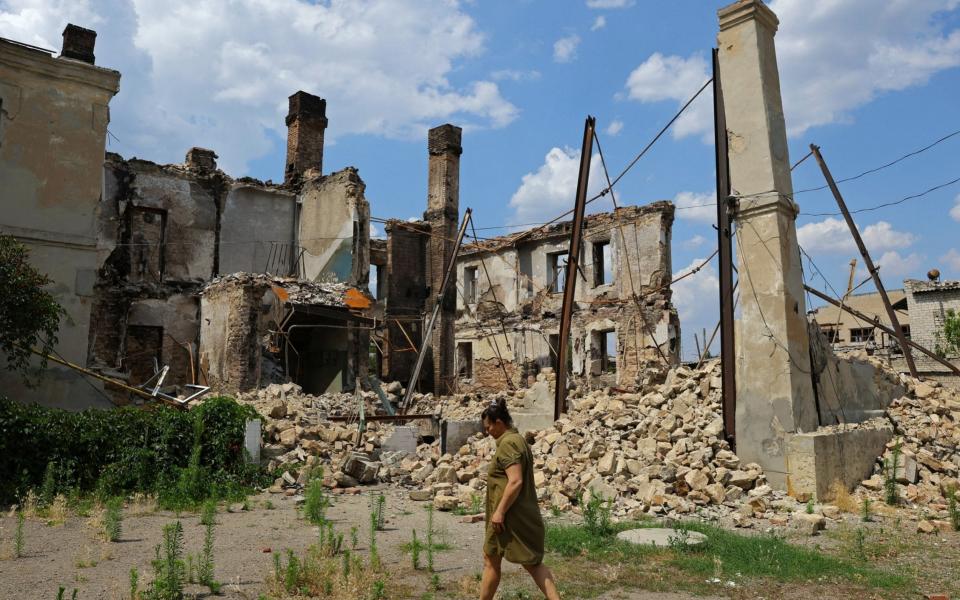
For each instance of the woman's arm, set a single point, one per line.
(510, 493)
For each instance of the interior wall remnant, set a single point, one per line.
(613, 336)
(50, 184)
(230, 336)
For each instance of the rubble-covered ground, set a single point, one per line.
(654, 452)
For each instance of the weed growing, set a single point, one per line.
(890, 494)
(809, 507)
(112, 519)
(866, 510)
(415, 551)
(379, 505)
(596, 515)
(205, 560)
(952, 509)
(208, 512)
(353, 537)
(374, 556)
(134, 583)
(169, 570)
(18, 536)
(430, 537)
(316, 501)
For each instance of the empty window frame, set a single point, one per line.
(470, 285)
(861, 335)
(832, 334)
(604, 352)
(148, 234)
(143, 352)
(557, 271)
(465, 360)
(906, 331)
(602, 263)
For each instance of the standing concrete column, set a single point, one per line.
(775, 395)
(443, 211)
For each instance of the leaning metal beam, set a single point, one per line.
(421, 355)
(897, 330)
(728, 363)
(573, 259)
(876, 323)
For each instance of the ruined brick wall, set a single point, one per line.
(229, 336)
(404, 297)
(306, 123)
(443, 201)
(928, 303)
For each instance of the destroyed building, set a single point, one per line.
(130, 244)
(498, 323)
(510, 294)
(929, 303)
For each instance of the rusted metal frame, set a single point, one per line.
(716, 329)
(428, 331)
(573, 257)
(874, 272)
(876, 323)
(725, 249)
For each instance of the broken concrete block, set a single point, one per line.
(808, 524)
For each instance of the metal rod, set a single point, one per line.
(573, 257)
(500, 318)
(369, 418)
(421, 355)
(874, 272)
(725, 251)
(876, 323)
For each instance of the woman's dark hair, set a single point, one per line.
(497, 411)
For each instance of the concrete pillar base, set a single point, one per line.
(816, 460)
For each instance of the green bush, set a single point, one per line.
(187, 455)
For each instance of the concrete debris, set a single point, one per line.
(657, 451)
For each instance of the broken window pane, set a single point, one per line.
(465, 360)
(557, 271)
(470, 285)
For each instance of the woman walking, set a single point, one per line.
(514, 526)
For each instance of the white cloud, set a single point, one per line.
(609, 3)
(217, 73)
(614, 128)
(837, 56)
(599, 23)
(692, 206)
(375, 231)
(955, 211)
(565, 49)
(696, 300)
(952, 260)
(515, 75)
(694, 242)
(893, 265)
(833, 58)
(675, 78)
(833, 235)
(551, 189)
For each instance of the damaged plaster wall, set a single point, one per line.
(635, 245)
(258, 230)
(53, 125)
(334, 228)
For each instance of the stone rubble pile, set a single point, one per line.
(927, 428)
(657, 452)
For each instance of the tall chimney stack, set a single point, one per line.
(78, 43)
(306, 122)
(443, 213)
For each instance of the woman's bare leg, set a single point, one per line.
(491, 577)
(544, 579)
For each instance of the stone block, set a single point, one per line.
(816, 460)
(454, 434)
(404, 439)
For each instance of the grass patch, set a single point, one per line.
(725, 555)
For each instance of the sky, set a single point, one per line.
(867, 81)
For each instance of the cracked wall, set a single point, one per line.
(508, 308)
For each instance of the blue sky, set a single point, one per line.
(868, 81)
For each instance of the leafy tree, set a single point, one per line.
(948, 342)
(29, 315)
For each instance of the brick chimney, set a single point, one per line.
(201, 158)
(306, 122)
(443, 213)
(78, 43)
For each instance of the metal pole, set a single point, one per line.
(436, 310)
(897, 330)
(573, 257)
(725, 251)
(876, 323)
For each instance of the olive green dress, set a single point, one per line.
(521, 540)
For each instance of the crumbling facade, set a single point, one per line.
(131, 244)
(54, 113)
(510, 292)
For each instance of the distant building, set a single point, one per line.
(929, 302)
(847, 332)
